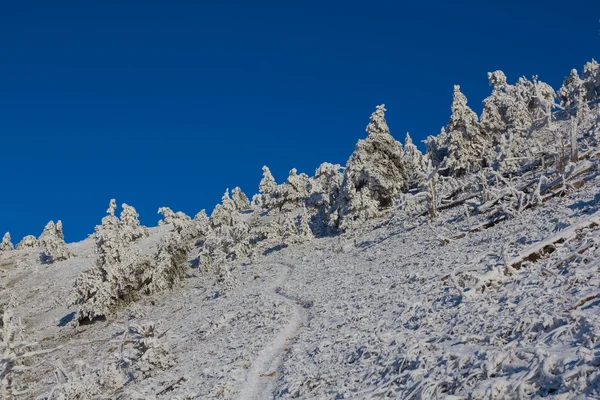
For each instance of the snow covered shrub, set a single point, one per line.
(15, 352)
(239, 199)
(296, 230)
(468, 145)
(150, 354)
(181, 222)
(52, 243)
(130, 224)
(28, 242)
(375, 174)
(6, 244)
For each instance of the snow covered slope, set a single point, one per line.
(480, 285)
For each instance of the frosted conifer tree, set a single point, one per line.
(591, 77)
(167, 215)
(52, 243)
(202, 223)
(325, 185)
(375, 174)
(181, 222)
(6, 244)
(132, 230)
(574, 96)
(224, 213)
(266, 188)
(122, 272)
(414, 161)
(169, 266)
(293, 192)
(112, 207)
(467, 144)
(239, 199)
(436, 147)
(296, 229)
(28, 242)
(542, 102)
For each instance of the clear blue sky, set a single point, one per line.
(167, 103)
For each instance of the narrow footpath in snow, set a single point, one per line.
(263, 373)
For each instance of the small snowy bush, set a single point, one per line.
(28, 242)
(52, 243)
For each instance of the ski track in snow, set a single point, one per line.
(257, 387)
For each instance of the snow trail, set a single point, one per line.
(262, 376)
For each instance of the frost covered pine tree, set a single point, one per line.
(225, 213)
(467, 144)
(296, 229)
(130, 224)
(414, 162)
(574, 96)
(240, 199)
(52, 243)
(266, 188)
(375, 174)
(122, 273)
(591, 78)
(6, 243)
(293, 192)
(325, 185)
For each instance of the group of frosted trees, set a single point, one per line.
(51, 243)
(516, 125)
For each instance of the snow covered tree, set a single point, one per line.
(591, 78)
(6, 244)
(468, 145)
(202, 223)
(293, 192)
(52, 243)
(296, 229)
(436, 147)
(325, 185)
(574, 96)
(239, 199)
(414, 162)
(28, 242)
(169, 265)
(122, 273)
(266, 188)
(132, 230)
(542, 103)
(112, 207)
(375, 174)
(181, 223)
(224, 213)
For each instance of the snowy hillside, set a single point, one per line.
(468, 272)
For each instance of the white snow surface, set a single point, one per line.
(386, 311)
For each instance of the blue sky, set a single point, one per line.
(160, 103)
